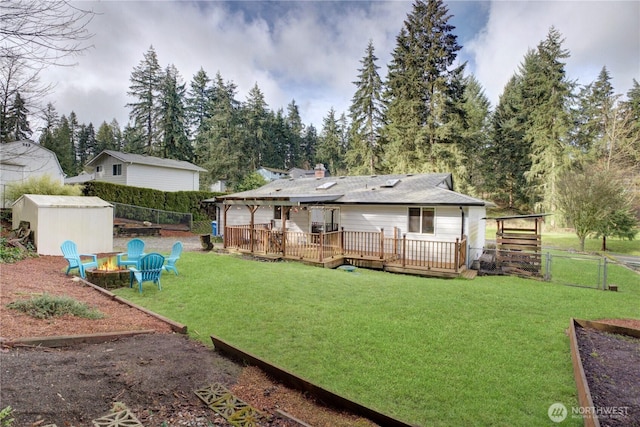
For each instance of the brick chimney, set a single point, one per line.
(319, 170)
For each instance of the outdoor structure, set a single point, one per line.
(405, 223)
(21, 160)
(137, 170)
(88, 221)
(518, 246)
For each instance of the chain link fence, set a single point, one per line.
(562, 267)
(136, 214)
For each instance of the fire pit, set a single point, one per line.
(109, 275)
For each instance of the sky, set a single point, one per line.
(310, 51)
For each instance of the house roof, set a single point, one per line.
(18, 153)
(143, 159)
(418, 189)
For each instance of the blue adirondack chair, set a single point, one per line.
(135, 251)
(170, 262)
(80, 261)
(149, 270)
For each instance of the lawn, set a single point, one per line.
(434, 352)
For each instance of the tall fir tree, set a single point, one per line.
(17, 121)
(294, 141)
(330, 150)
(173, 119)
(256, 118)
(367, 117)
(146, 87)
(549, 94)
(106, 138)
(198, 102)
(87, 146)
(507, 157)
(420, 88)
(62, 145)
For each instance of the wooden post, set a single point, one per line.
(457, 257)
(382, 243)
(321, 248)
(225, 241)
(341, 240)
(252, 236)
(404, 248)
(285, 211)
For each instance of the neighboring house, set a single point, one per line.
(21, 160)
(137, 170)
(271, 174)
(420, 207)
(318, 172)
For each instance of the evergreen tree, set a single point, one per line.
(593, 116)
(173, 124)
(17, 122)
(62, 145)
(330, 149)
(421, 89)
(507, 156)
(106, 138)
(50, 117)
(367, 117)
(133, 140)
(308, 147)
(548, 92)
(222, 156)
(146, 87)
(470, 171)
(294, 141)
(256, 118)
(198, 102)
(87, 145)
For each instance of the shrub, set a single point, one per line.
(47, 306)
(41, 185)
(10, 254)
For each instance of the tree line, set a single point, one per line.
(428, 114)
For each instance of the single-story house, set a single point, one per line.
(88, 221)
(21, 160)
(138, 170)
(415, 218)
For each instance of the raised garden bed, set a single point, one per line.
(606, 364)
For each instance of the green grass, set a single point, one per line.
(434, 352)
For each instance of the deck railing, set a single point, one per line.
(321, 247)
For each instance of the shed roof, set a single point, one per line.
(66, 201)
(143, 159)
(406, 189)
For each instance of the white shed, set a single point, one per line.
(88, 221)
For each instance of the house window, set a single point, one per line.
(117, 169)
(421, 220)
(277, 212)
(98, 169)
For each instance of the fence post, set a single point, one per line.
(341, 240)
(457, 256)
(382, 243)
(321, 248)
(547, 272)
(604, 275)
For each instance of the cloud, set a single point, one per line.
(597, 34)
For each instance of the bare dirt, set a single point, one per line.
(154, 375)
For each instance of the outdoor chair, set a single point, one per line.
(149, 270)
(170, 262)
(70, 251)
(135, 251)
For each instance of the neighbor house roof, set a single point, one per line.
(143, 159)
(19, 153)
(409, 189)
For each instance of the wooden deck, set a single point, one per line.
(362, 249)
